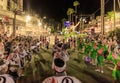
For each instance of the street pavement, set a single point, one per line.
(75, 67)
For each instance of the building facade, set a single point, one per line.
(22, 27)
(10, 5)
(3, 4)
(7, 8)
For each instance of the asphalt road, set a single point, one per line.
(41, 69)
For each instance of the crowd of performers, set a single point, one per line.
(102, 49)
(16, 52)
(60, 56)
(99, 49)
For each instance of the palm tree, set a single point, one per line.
(70, 11)
(76, 3)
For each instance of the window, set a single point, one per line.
(15, 1)
(8, 5)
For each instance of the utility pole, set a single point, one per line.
(14, 23)
(102, 15)
(114, 3)
(76, 19)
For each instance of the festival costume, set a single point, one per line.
(81, 43)
(1, 50)
(61, 79)
(105, 51)
(59, 62)
(116, 75)
(86, 53)
(100, 57)
(78, 43)
(5, 78)
(116, 60)
(87, 49)
(113, 57)
(109, 57)
(116, 72)
(93, 53)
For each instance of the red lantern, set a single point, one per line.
(6, 19)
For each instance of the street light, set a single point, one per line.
(14, 22)
(45, 26)
(39, 24)
(44, 17)
(102, 15)
(28, 18)
(16, 12)
(114, 3)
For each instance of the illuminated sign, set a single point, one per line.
(67, 23)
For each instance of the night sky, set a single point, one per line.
(57, 8)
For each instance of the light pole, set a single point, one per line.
(14, 22)
(102, 15)
(114, 3)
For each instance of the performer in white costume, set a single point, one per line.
(61, 79)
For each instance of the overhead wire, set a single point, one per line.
(100, 8)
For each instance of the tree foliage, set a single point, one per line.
(76, 3)
(70, 11)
